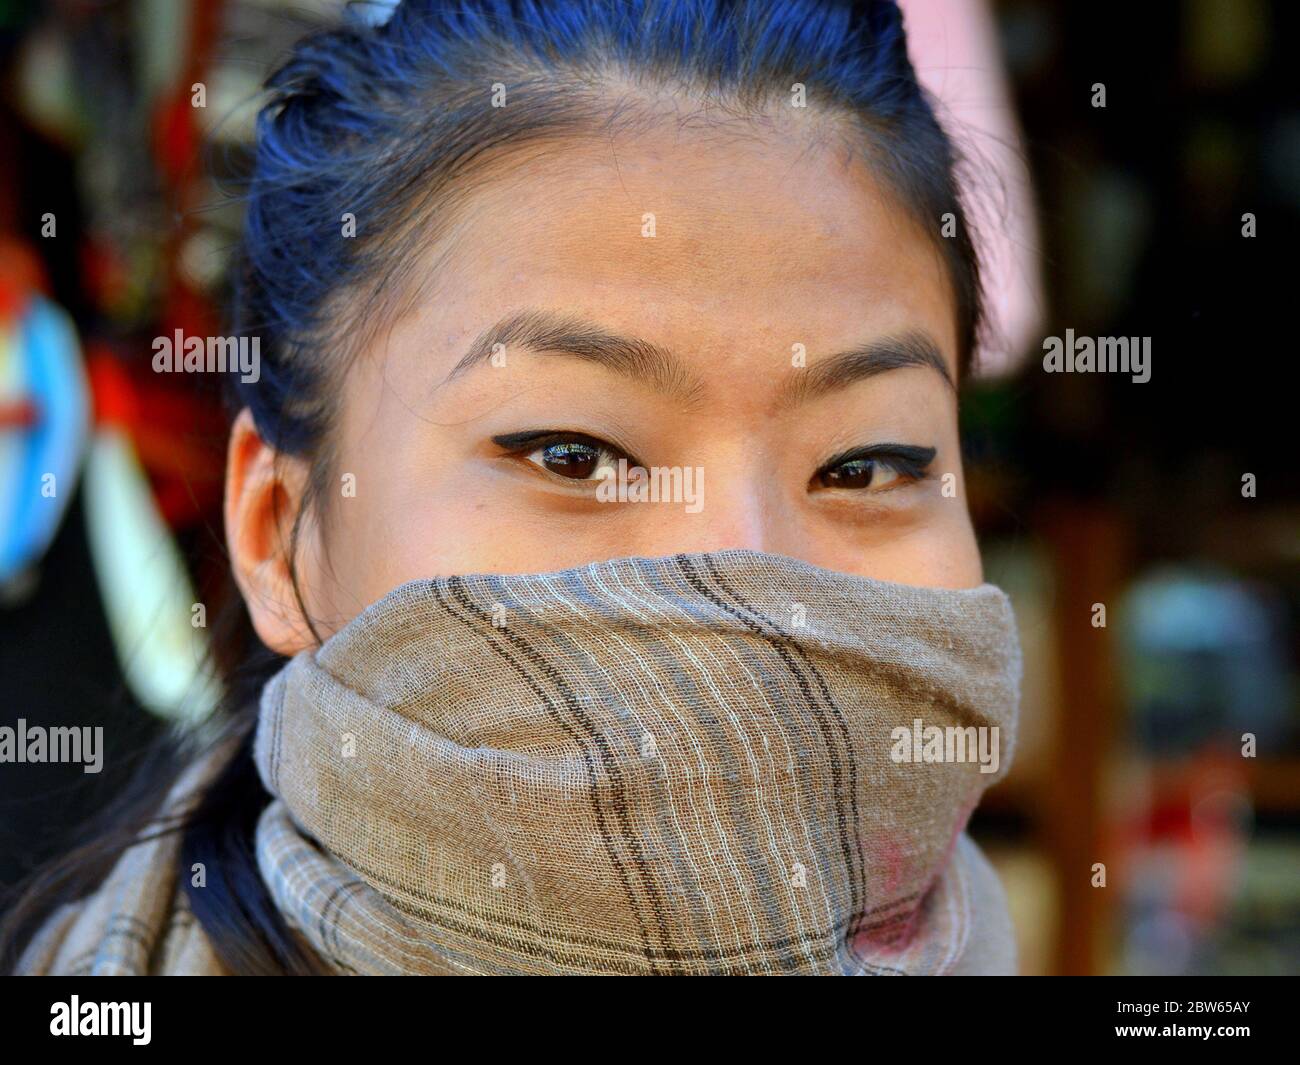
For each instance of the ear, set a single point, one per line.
(264, 492)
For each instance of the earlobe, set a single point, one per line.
(264, 492)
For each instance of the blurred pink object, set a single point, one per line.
(954, 48)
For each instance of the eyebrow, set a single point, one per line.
(550, 333)
(893, 352)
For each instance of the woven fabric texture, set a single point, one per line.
(644, 766)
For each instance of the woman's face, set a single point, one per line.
(754, 312)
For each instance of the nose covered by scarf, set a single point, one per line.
(726, 762)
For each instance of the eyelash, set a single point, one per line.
(910, 463)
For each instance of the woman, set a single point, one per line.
(601, 501)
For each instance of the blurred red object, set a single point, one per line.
(179, 435)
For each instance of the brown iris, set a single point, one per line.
(856, 473)
(571, 459)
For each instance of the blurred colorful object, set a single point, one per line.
(1204, 657)
(145, 586)
(44, 415)
(45, 424)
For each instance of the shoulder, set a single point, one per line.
(138, 922)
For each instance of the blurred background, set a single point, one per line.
(1151, 821)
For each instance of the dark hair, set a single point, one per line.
(386, 123)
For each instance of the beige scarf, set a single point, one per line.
(730, 762)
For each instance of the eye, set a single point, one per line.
(573, 456)
(876, 468)
(574, 459)
(859, 473)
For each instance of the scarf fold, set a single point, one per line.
(727, 762)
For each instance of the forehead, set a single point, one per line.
(709, 242)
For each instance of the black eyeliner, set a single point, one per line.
(519, 441)
(909, 458)
(531, 438)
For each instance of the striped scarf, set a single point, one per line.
(731, 762)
